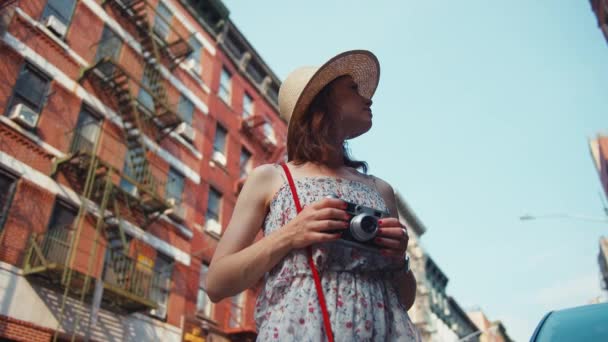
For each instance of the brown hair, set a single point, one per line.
(309, 139)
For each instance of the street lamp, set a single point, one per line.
(491, 328)
(529, 217)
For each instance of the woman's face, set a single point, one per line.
(353, 111)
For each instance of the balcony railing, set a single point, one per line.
(131, 284)
(49, 251)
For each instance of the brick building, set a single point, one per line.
(127, 129)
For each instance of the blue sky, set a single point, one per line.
(482, 114)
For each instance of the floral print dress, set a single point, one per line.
(358, 285)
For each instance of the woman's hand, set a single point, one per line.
(392, 236)
(321, 221)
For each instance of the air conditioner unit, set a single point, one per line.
(219, 158)
(24, 115)
(178, 210)
(213, 226)
(56, 26)
(186, 131)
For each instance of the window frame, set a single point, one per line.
(207, 305)
(245, 168)
(179, 175)
(214, 214)
(44, 16)
(220, 128)
(15, 95)
(237, 310)
(163, 289)
(160, 18)
(190, 117)
(10, 195)
(224, 91)
(246, 114)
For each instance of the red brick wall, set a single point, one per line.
(29, 212)
(18, 330)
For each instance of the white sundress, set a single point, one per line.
(358, 285)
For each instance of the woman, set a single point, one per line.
(359, 294)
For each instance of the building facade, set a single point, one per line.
(437, 315)
(598, 147)
(489, 331)
(127, 130)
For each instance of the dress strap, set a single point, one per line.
(313, 268)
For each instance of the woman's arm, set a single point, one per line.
(406, 282)
(238, 263)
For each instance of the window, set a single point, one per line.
(225, 86)
(61, 9)
(109, 46)
(245, 162)
(185, 109)
(237, 304)
(86, 133)
(214, 205)
(130, 171)
(30, 89)
(56, 241)
(8, 183)
(203, 303)
(175, 185)
(197, 48)
(269, 132)
(163, 267)
(162, 21)
(247, 106)
(219, 142)
(63, 216)
(144, 97)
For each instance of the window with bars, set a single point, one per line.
(175, 185)
(61, 9)
(245, 162)
(214, 205)
(9, 183)
(185, 109)
(247, 106)
(30, 89)
(224, 91)
(219, 142)
(203, 303)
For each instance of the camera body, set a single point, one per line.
(363, 226)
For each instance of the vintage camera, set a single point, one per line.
(363, 226)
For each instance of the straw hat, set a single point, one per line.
(303, 84)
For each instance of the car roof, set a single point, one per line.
(582, 323)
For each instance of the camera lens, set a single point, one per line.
(369, 224)
(363, 227)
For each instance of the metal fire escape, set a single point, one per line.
(57, 255)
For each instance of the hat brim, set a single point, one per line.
(361, 65)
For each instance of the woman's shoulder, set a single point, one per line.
(266, 178)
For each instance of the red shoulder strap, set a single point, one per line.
(313, 268)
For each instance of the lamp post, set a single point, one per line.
(479, 332)
(529, 217)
